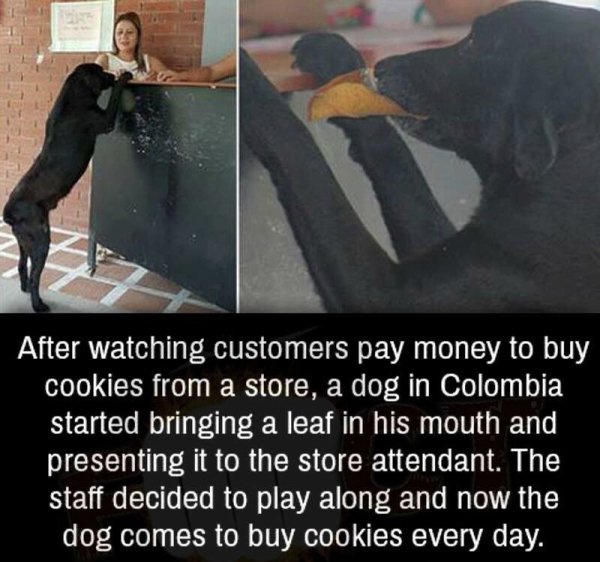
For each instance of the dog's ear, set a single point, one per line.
(535, 137)
(97, 80)
(554, 94)
(535, 142)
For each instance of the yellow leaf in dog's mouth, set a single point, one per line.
(348, 96)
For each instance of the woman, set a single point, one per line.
(127, 52)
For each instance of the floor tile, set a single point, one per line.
(137, 296)
(187, 308)
(136, 301)
(81, 244)
(50, 276)
(58, 237)
(87, 288)
(6, 264)
(116, 271)
(66, 259)
(154, 281)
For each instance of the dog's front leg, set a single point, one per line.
(350, 269)
(413, 217)
(109, 116)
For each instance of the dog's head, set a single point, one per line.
(508, 94)
(89, 79)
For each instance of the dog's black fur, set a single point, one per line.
(71, 130)
(519, 98)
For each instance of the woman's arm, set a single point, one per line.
(102, 60)
(156, 66)
(222, 69)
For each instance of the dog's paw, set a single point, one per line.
(24, 279)
(125, 76)
(325, 56)
(40, 306)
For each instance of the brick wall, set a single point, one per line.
(28, 86)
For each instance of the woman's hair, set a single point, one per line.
(133, 18)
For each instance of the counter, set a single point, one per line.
(164, 186)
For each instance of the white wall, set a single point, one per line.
(220, 23)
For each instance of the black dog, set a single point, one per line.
(71, 130)
(519, 98)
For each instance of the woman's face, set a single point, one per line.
(126, 36)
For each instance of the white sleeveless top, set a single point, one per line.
(115, 63)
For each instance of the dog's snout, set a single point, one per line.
(394, 78)
(394, 75)
(393, 66)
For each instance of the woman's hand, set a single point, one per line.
(168, 76)
(200, 74)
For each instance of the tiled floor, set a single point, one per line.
(116, 283)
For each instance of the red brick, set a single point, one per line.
(129, 6)
(13, 176)
(170, 17)
(170, 27)
(28, 114)
(12, 152)
(31, 34)
(181, 62)
(21, 67)
(33, 10)
(42, 19)
(14, 21)
(20, 105)
(30, 141)
(24, 50)
(78, 225)
(169, 39)
(192, 5)
(163, 6)
(193, 28)
(10, 95)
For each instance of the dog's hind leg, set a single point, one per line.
(38, 252)
(348, 266)
(38, 260)
(413, 217)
